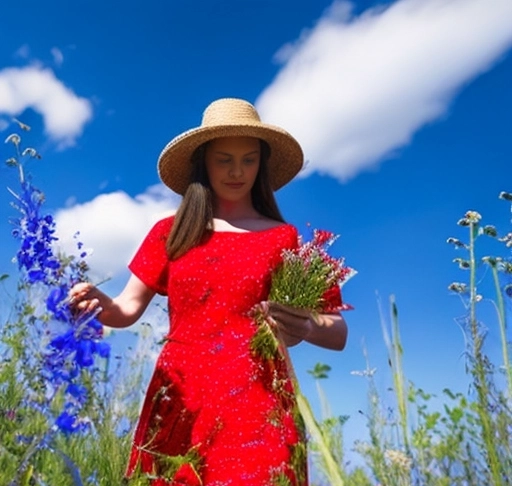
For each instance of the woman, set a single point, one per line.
(217, 412)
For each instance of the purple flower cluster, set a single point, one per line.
(74, 340)
(36, 234)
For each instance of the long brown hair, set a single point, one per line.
(193, 222)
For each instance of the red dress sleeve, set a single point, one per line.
(332, 300)
(150, 263)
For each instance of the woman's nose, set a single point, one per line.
(236, 169)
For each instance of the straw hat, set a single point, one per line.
(230, 117)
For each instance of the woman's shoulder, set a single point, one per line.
(163, 224)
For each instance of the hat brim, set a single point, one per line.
(286, 156)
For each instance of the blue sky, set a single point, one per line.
(404, 110)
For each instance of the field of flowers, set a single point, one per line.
(68, 406)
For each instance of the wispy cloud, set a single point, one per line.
(64, 113)
(58, 57)
(113, 226)
(23, 52)
(354, 89)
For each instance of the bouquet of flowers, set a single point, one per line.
(305, 279)
(308, 273)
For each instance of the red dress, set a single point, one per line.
(216, 413)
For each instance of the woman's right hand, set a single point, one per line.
(84, 297)
(120, 311)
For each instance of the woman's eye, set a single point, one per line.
(249, 161)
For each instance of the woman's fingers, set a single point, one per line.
(79, 291)
(294, 324)
(88, 305)
(274, 307)
(82, 299)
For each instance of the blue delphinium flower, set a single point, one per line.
(36, 235)
(72, 341)
(55, 303)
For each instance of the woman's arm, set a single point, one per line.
(295, 325)
(120, 311)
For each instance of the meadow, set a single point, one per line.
(69, 404)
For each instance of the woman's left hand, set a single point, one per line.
(294, 324)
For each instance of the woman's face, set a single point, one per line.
(232, 164)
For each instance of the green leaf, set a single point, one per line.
(320, 371)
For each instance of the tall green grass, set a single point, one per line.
(466, 441)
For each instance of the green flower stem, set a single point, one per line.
(398, 373)
(503, 333)
(479, 369)
(395, 353)
(472, 289)
(332, 468)
(25, 469)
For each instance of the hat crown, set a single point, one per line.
(230, 111)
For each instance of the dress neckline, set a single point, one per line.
(232, 232)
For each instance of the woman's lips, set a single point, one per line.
(235, 185)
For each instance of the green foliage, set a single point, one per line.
(418, 439)
(264, 343)
(30, 453)
(453, 440)
(320, 371)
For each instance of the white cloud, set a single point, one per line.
(354, 89)
(64, 113)
(113, 226)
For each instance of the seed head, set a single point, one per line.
(507, 196)
(456, 242)
(22, 125)
(490, 230)
(31, 153)
(463, 264)
(491, 261)
(507, 239)
(458, 287)
(13, 138)
(473, 216)
(508, 290)
(399, 459)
